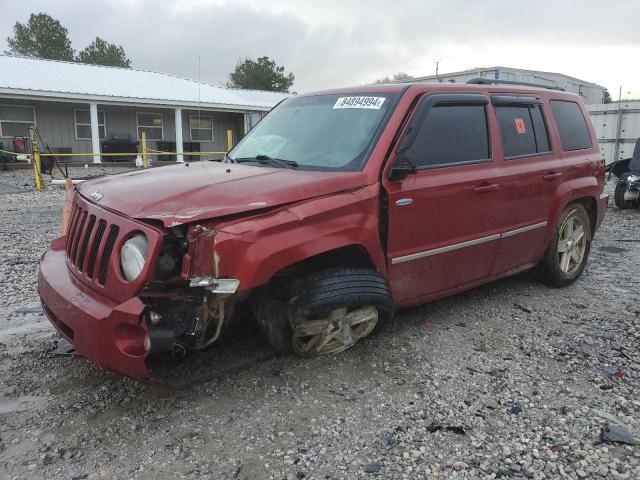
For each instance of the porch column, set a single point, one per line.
(179, 156)
(95, 132)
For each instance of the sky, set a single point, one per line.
(335, 43)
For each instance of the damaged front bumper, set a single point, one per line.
(109, 334)
(122, 336)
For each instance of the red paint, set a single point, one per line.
(266, 219)
(202, 190)
(91, 322)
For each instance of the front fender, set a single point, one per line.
(253, 250)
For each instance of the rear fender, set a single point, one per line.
(568, 192)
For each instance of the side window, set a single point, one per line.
(451, 134)
(574, 133)
(522, 129)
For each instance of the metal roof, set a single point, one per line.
(493, 69)
(25, 76)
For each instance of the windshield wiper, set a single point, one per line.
(266, 159)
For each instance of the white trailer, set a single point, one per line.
(617, 127)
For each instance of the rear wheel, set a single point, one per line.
(329, 311)
(567, 254)
(621, 188)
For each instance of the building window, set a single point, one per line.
(83, 124)
(16, 120)
(201, 128)
(151, 124)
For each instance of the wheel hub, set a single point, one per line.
(572, 245)
(333, 332)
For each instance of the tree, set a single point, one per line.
(397, 77)
(606, 97)
(42, 37)
(104, 53)
(261, 74)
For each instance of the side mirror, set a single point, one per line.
(401, 168)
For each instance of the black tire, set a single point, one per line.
(548, 270)
(319, 293)
(618, 196)
(338, 287)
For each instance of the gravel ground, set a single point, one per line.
(507, 380)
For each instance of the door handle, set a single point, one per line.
(551, 176)
(487, 188)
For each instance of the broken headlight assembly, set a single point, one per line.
(186, 312)
(133, 256)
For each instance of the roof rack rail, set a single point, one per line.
(490, 81)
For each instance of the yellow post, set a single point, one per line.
(229, 140)
(145, 160)
(37, 168)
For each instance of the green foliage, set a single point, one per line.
(397, 77)
(42, 37)
(607, 97)
(45, 37)
(104, 53)
(261, 74)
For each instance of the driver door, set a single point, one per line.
(444, 219)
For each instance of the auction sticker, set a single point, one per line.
(373, 103)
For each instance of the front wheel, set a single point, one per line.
(329, 311)
(567, 254)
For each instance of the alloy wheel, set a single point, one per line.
(572, 245)
(334, 332)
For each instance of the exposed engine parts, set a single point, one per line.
(185, 313)
(185, 324)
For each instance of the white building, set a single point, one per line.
(77, 107)
(590, 92)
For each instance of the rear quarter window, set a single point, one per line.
(572, 126)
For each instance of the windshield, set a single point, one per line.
(322, 132)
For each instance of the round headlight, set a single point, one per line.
(133, 256)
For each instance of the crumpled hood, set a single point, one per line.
(184, 193)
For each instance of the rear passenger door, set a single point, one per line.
(442, 231)
(531, 174)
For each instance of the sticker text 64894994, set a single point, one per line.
(359, 102)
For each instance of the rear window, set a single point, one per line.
(523, 130)
(451, 135)
(574, 133)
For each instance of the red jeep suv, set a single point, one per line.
(337, 208)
